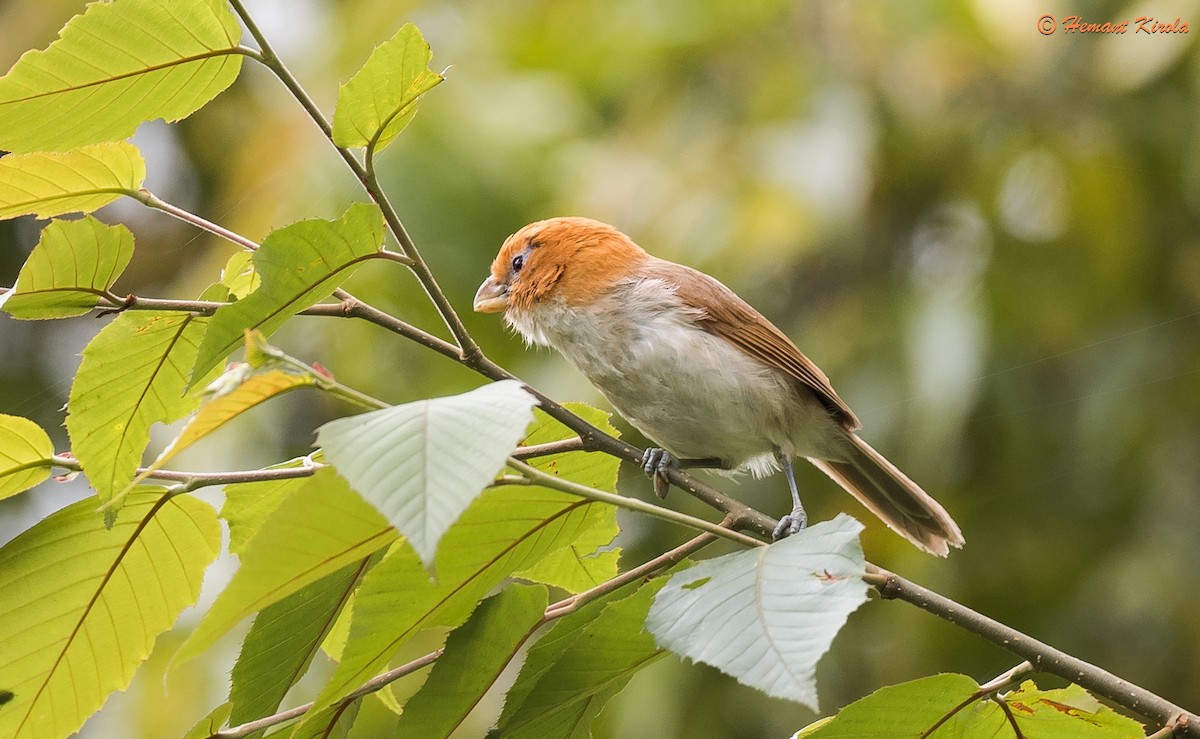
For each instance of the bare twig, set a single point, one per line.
(149, 199)
(574, 444)
(196, 480)
(1005, 679)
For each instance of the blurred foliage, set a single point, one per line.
(987, 237)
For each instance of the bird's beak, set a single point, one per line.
(492, 297)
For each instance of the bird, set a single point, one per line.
(696, 369)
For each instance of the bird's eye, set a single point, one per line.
(518, 262)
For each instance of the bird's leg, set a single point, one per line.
(656, 462)
(797, 519)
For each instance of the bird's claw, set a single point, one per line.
(790, 524)
(655, 463)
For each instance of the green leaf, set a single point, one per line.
(505, 530)
(323, 528)
(299, 265)
(84, 604)
(913, 709)
(72, 266)
(1067, 713)
(210, 724)
(766, 616)
(239, 276)
(248, 504)
(579, 566)
(115, 66)
(133, 375)
(593, 667)
(283, 641)
(24, 451)
(421, 464)
(381, 98)
(475, 655)
(85, 179)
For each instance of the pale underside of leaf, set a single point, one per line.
(766, 616)
(421, 464)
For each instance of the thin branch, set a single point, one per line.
(1004, 680)
(396, 257)
(574, 444)
(375, 683)
(534, 476)
(194, 480)
(1042, 656)
(150, 200)
(555, 610)
(429, 283)
(366, 176)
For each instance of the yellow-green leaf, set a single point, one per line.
(24, 449)
(72, 266)
(84, 179)
(239, 276)
(115, 66)
(133, 375)
(381, 98)
(83, 604)
(299, 265)
(217, 410)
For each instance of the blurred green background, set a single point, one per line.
(986, 236)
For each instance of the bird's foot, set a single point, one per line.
(790, 524)
(655, 463)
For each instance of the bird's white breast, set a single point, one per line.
(692, 392)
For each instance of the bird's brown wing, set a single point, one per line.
(722, 313)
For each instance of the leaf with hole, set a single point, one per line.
(947, 706)
(767, 615)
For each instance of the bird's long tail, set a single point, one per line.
(898, 501)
